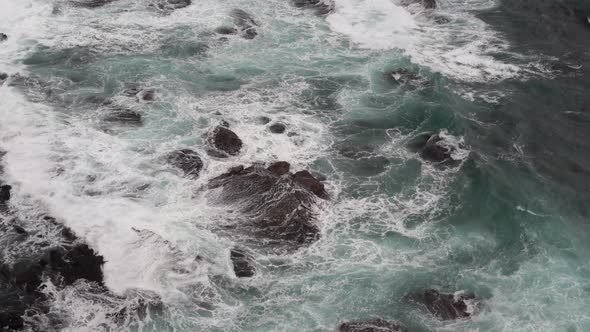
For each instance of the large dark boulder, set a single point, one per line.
(446, 306)
(186, 160)
(376, 325)
(321, 7)
(277, 205)
(242, 262)
(225, 140)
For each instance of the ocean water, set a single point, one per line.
(503, 82)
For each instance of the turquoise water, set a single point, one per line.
(508, 222)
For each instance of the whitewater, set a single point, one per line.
(359, 93)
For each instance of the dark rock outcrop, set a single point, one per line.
(277, 128)
(445, 306)
(225, 141)
(277, 205)
(3, 77)
(3, 37)
(186, 160)
(434, 148)
(321, 7)
(4, 193)
(376, 325)
(242, 262)
(245, 22)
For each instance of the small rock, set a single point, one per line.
(445, 306)
(242, 264)
(89, 3)
(321, 7)
(226, 30)
(3, 37)
(279, 168)
(124, 115)
(263, 120)
(225, 140)
(146, 95)
(187, 160)
(277, 128)
(5, 193)
(19, 229)
(377, 325)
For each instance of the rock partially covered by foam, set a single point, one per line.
(186, 160)
(3, 37)
(245, 22)
(438, 148)
(277, 205)
(446, 306)
(376, 325)
(225, 141)
(242, 262)
(89, 3)
(321, 7)
(171, 4)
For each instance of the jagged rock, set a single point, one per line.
(187, 160)
(277, 205)
(376, 325)
(321, 7)
(241, 261)
(446, 306)
(225, 140)
(277, 128)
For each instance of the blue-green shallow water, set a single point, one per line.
(508, 223)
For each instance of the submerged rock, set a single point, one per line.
(4, 193)
(376, 325)
(436, 148)
(402, 76)
(225, 140)
(241, 261)
(3, 37)
(171, 4)
(3, 77)
(446, 306)
(89, 3)
(226, 30)
(123, 115)
(428, 4)
(277, 128)
(186, 160)
(245, 22)
(321, 7)
(146, 95)
(278, 205)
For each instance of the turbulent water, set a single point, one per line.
(503, 83)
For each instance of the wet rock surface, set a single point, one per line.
(446, 306)
(277, 128)
(89, 3)
(167, 5)
(245, 23)
(225, 141)
(242, 263)
(320, 7)
(123, 116)
(434, 148)
(376, 325)
(277, 205)
(186, 160)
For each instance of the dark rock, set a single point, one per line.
(242, 263)
(171, 4)
(402, 76)
(122, 115)
(226, 31)
(146, 95)
(263, 120)
(19, 229)
(434, 148)
(277, 208)
(445, 306)
(3, 37)
(4, 193)
(89, 3)
(321, 7)
(245, 22)
(3, 77)
(279, 168)
(428, 4)
(132, 90)
(225, 140)
(417, 143)
(277, 128)
(187, 160)
(78, 262)
(26, 274)
(307, 181)
(377, 325)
